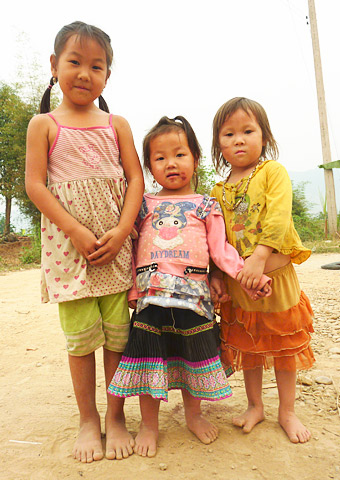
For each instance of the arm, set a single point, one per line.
(278, 206)
(133, 292)
(227, 259)
(218, 291)
(111, 242)
(38, 145)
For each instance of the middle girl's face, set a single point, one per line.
(240, 139)
(172, 163)
(81, 70)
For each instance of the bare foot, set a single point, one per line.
(251, 417)
(296, 431)
(88, 446)
(146, 441)
(205, 431)
(119, 442)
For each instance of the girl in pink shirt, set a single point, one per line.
(173, 343)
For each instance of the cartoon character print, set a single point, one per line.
(169, 218)
(208, 203)
(91, 158)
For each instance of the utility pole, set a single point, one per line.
(326, 150)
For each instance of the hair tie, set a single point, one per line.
(53, 81)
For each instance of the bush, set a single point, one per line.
(309, 227)
(32, 253)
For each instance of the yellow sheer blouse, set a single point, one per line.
(264, 216)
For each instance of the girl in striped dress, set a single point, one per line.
(89, 204)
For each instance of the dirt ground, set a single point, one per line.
(39, 418)
(10, 252)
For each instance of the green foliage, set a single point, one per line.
(323, 246)
(206, 177)
(19, 102)
(309, 227)
(300, 205)
(2, 225)
(14, 117)
(32, 253)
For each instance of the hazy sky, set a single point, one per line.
(187, 57)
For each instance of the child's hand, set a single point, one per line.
(107, 247)
(132, 304)
(84, 241)
(250, 275)
(265, 291)
(218, 290)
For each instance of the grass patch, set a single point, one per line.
(323, 246)
(32, 253)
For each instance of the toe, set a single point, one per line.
(119, 454)
(98, 455)
(294, 438)
(151, 452)
(110, 454)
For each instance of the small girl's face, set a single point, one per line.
(172, 163)
(81, 70)
(240, 139)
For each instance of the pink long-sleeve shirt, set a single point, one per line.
(177, 232)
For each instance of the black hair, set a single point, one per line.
(82, 30)
(166, 125)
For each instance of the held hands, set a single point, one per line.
(218, 290)
(258, 292)
(250, 275)
(219, 293)
(250, 278)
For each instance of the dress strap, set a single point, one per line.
(54, 119)
(114, 131)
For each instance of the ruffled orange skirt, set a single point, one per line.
(273, 331)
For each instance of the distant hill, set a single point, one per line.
(315, 186)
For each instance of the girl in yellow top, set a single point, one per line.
(256, 199)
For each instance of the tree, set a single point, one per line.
(307, 225)
(300, 206)
(18, 103)
(206, 177)
(14, 117)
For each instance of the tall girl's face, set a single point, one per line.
(171, 163)
(81, 70)
(240, 139)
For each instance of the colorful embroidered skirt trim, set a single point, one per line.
(255, 334)
(168, 349)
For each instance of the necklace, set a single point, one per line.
(229, 206)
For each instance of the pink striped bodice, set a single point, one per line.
(83, 153)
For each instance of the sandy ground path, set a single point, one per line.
(39, 418)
